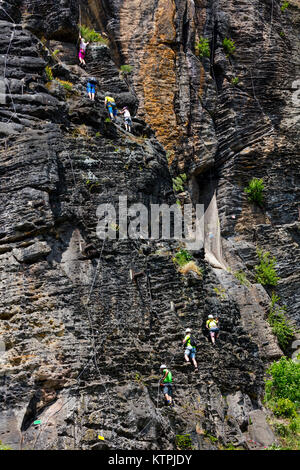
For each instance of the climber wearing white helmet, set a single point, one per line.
(190, 348)
(212, 325)
(166, 383)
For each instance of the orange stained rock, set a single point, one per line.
(156, 78)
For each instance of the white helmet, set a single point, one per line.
(188, 330)
(210, 316)
(163, 366)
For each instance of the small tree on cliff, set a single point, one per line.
(202, 47)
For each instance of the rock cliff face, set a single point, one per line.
(80, 342)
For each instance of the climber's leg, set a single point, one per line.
(110, 110)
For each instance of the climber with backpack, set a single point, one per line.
(91, 88)
(166, 384)
(111, 106)
(212, 325)
(82, 49)
(190, 348)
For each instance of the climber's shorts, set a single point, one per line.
(81, 54)
(128, 121)
(214, 330)
(112, 108)
(167, 388)
(90, 88)
(191, 352)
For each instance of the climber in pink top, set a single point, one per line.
(82, 49)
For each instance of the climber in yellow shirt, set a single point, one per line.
(111, 106)
(212, 325)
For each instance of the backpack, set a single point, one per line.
(192, 341)
(93, 80)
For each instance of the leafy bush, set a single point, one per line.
(178, 183)
(284, 407)
(49, 73)
(126, 69)
(228, 46)
(265, 270)
(67, 85)
(255, 191)
(284, 381)
(202, 47)
(182, 257)
(183, 442)
(284, 6)
(235, 81)
(240, 276)
(91, 35)
(281, 327)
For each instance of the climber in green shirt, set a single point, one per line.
(190, 348)
(166, 384)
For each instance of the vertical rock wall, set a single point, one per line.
(81, 344)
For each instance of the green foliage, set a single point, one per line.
(202, 47)
(284, 6)
(183, 442)
(4, 446)
(235, 81)
(288, 430)
(281, 327)
(182, 257)
(178, 183)
(90, 35)
(265, 270)
(67, 85)
(126, 69)
(228, 46)
(49, 73)
(221, 293)
(282, 396)
(213, 439)
(285, 407)
(284, 382)
(54, 53)
(240, 276)
(255, 191)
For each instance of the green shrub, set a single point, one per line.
(91, 35)
(294, 424)
(284, 407)
(228, 46)
(235, 81)
(183, 442)
(202, 47)
(284, 6)
(284, 381)
(49, 73)
(126, 69)
(182, 257)
(4, 447)
(281, 327)
(255, 191)
(265, 270)
(178, 183)
(67, 85)
(241, 277)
